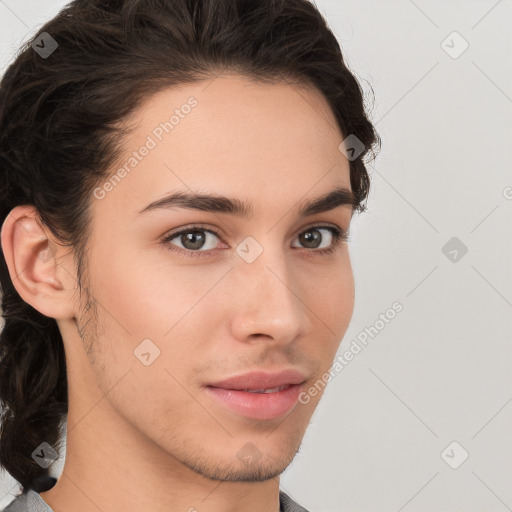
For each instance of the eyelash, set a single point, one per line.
(339, 236)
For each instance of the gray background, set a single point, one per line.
(438, 372)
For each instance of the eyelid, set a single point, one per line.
(192, 227)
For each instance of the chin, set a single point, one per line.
(259, 471)
(247, 464)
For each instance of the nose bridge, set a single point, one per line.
(270, 305)
(272, 284)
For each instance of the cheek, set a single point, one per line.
(332, 306)
(145, 297)
(152, 328)
(330, 297)
(162, 315)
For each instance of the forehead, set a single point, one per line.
(230, 135)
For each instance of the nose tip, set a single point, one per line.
(269, 309)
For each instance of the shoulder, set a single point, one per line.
(27, 502)
(21, 504)
(18, 504)
(289, 505)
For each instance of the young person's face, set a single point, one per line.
(257, 297)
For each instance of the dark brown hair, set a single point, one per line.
(60, 135)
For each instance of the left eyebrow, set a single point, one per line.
(337, 197)
(221, 204)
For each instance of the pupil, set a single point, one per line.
(314, 236)
(189, 237)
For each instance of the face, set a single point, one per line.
(182, 298)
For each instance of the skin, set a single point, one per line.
(273, 145)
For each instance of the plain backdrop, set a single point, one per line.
(420, 418)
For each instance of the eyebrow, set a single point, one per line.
(221, 204)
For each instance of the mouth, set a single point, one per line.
(258, 395)
(268, 390)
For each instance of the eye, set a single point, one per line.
(312, 238)
(198, 241)
(192, 239)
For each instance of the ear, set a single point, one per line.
(35, 263)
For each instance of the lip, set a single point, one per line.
(261, 380)
(261, 406)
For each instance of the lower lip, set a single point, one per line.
(261, 406)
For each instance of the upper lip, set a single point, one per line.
(261, 380)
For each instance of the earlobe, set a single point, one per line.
(30, 255)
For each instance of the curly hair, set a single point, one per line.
(60, 135)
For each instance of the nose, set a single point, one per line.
(267, 302)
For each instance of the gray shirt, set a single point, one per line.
(31, 501)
